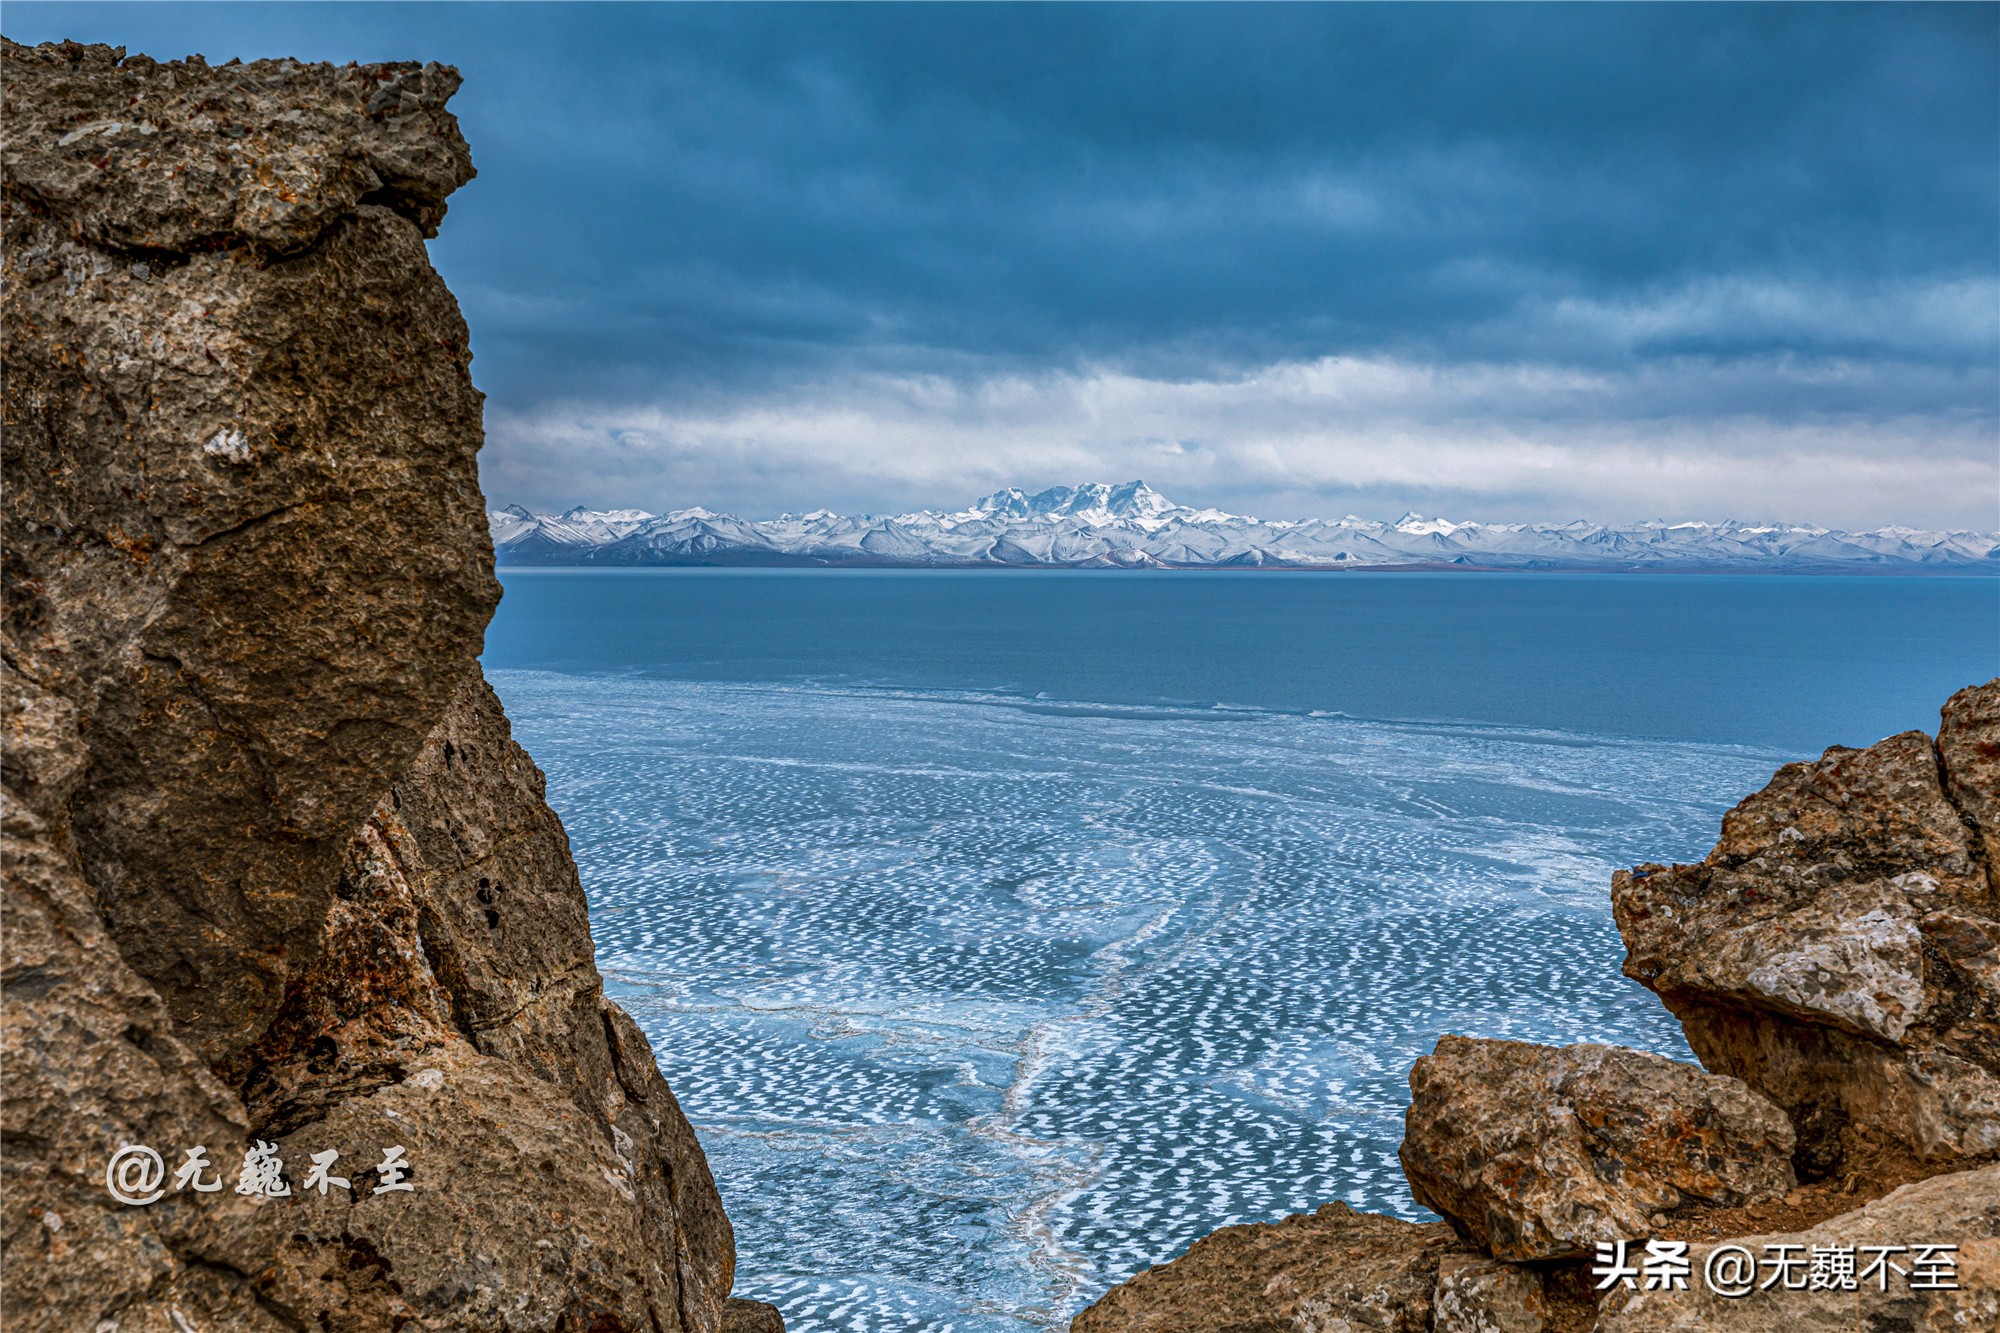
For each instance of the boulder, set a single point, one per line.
(1839, 950)
(1332, 1271)
(1539, 1152)
(274, 870)
(1960, 1209)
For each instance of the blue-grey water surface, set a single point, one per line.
(1002, 933)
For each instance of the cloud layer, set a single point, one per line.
(1510, 260)
(1293, 440)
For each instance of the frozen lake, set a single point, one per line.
(984, 997)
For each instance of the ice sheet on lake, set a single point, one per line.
(981, 1005)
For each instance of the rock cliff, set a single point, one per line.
(275, 872)
(1836, 965)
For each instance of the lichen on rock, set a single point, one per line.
(274, 868)
(1476, 1294)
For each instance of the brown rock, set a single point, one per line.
(1333, 1271)
(1480, 1295)
(274, 868)
(244, 540)
(744, 1316)
(1961, 1209)
(180, 158)
(1839, 949)
(1968, 744)
(1538, 1152)
(456, 997)
(89, 1063)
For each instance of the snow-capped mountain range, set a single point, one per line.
(1133, 526)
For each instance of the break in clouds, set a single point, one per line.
(1503, 262)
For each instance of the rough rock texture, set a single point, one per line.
(1839, 949)
(746, 1316)
(455, 989)
(274, 867)
(1480, 1295)
(1968, 745)
(257, 584)
(1961, 1208)
(1539, 1152)
(1333, 1271)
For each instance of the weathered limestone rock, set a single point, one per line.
(1962, 1209)
(274, 868)
(1839, 950)
(88, 1061)
(1538, 1152)
(1480, 1295)
(1333, 1271)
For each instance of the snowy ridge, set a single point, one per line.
(1133, 526)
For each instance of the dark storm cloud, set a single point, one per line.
(704, 210)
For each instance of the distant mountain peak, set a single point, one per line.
(585, 514)
(1093, 500)
(1413, 522)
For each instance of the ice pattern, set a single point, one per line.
(981, 1004)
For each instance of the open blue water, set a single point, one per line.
(1003, 933)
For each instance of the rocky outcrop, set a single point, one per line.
(1962, 1209)
(1332, 1271)
(243, 535)
(455, 989)
(1839, 950)
(1335, 1269)
(275, 871)
(1535, 1152)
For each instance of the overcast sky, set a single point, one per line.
(1492, 262)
